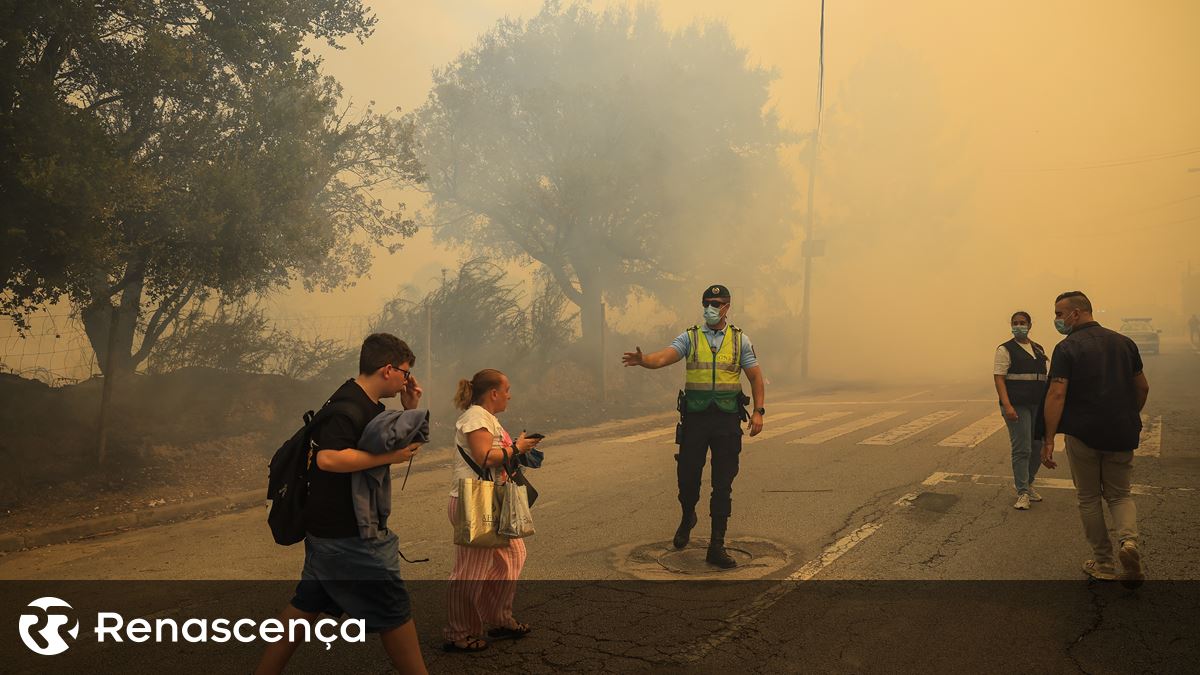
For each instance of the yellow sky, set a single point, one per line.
(1051, 120)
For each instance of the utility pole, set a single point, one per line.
(428, 349)
(110, 377)
(810, 248)
(603, 370)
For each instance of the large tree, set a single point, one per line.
(622, 157)
(158, 152)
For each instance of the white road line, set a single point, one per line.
(833, 552)
(739, 620)
(934, 478)
(772, 431)
(644, 436)
(1150, 444)
(656, 435)
(1052, 483)
(775, 418)
(909, 429)
(848, 427)
(934, 402)
(905, 398)
(609, 428)
(616, 426)
(976, 433)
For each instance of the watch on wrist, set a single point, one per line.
(761, 411)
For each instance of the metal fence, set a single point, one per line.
(56, 350)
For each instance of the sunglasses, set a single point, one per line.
(715, 303)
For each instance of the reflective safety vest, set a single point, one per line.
(1026, 377)
(714, 376)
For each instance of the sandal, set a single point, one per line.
(471, 645)
(515, 633)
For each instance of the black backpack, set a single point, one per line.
(287, 480)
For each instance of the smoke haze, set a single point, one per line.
(976, 159)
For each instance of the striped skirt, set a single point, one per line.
(482, 585)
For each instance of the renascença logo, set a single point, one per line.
(48, 625)
(42, 629)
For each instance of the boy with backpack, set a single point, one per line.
(343, 572)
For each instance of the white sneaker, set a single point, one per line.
(1033, 495)
(1022, 502)
(1097, 571)
(1132, 574)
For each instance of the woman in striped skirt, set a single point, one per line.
(484, 580)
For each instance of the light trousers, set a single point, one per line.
(1103, 476)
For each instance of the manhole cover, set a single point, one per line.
(691, 560)
(756, 558)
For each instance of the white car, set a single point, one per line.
(1142, 333)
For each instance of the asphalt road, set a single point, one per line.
(876, 529)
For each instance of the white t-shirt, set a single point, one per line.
(1003, 360)
(473, 419)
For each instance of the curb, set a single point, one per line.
(241, 501)
(124, 521)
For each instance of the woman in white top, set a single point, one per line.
(1019, 371)
(484, 580)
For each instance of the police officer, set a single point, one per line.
(712, 401)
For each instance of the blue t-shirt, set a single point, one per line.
(683, 345)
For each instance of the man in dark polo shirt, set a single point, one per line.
(1097, 391)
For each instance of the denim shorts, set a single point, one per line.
(356, 577)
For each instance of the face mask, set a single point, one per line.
(1061, 326)
(1020, 331)
(712, 316)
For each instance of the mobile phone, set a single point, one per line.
(535, 436)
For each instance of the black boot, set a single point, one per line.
(686, 523)
(717, 556)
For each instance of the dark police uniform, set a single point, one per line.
(712, 410)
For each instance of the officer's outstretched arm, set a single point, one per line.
(654, 360)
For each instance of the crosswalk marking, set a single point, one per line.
(946, 401)
(783, 416)
(1150, 444)
(773, 431)
(843, 429)
(644, 436)
(939, 477)
(610, 428)
(976, 433)
(658, 435)
(909, 429)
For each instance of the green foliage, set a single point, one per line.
(475, 316)
(159, 152)
(551, 325)
(620, 156)
(240, 338)
(478, 318)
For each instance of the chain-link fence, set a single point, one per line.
(56, 350)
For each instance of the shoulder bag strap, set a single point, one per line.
(484, 474)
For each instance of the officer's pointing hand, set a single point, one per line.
(633, 358)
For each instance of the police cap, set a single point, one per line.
(715, 291)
